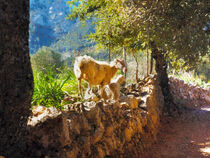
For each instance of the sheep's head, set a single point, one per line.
(120, 64)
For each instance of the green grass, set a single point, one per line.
(71, 85)
(48, 89)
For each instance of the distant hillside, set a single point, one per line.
(48, 27)
(75, 39)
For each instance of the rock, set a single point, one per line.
(100, 151)
(128, 134)
(207, 99)
(109, 130)
(99, 128)
(72, 153)
(188, 94)
(70, 99)
(38, 110)
(132, 101)
(41, 113)
(49, 136)
(97, 136)
(89, 105)
(90, 96)
(129, 100)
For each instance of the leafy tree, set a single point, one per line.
(108, 29)
(203, 70)
(46, 58)
(178, 29)
(173, 29)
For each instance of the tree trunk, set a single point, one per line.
(137, 65)
(147, 62)
(151, 63)
(16, 80)
(161, 69)
(125, 60)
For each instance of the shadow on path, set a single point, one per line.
(186, 136)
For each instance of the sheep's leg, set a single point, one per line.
(112, 91)
(100, 90)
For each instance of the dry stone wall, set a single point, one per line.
(187, 94)
(99, 129)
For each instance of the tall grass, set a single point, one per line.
(48, 89)
(71, 85)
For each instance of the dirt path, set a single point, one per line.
(187, 136)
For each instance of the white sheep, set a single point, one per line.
(96, 72)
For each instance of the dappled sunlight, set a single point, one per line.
(205, 151)
(205, 147)
(206, 108)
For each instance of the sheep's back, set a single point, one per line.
(94, 72)
(81, 65)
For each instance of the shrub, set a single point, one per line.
(44, 59)
(48, 88)
(203, 69)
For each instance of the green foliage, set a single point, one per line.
(46, 58)
(51, 86)
(71, 85)
(48, 88)
(180, 27)
(203, 69)
(190, 78)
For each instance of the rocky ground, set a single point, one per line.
(186, 136)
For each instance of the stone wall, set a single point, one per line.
(187, 94)
(99, 129)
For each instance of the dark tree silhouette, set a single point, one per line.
(16, 80)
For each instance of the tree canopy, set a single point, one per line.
(180, 28)
(171, 29)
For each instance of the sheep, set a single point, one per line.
(96, 72)
(112, 91)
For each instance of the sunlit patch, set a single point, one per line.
(205, 151)
(206, 108)
(206, 143)
(205, 148)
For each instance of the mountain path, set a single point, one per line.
(184, 136)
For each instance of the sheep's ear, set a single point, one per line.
(118, 60)
(115, 60)
(121, 62)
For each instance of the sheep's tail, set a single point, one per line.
(77, 65)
